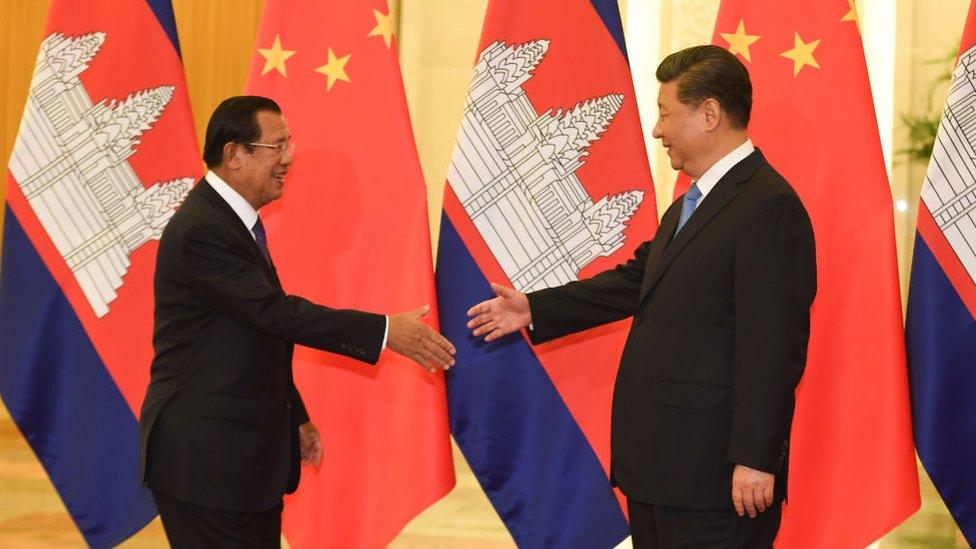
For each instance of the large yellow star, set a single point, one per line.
(275, 57)
(802, 54)
(851, 14)
(385, 24)
(739, 41)
(334, 69)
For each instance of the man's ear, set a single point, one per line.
(713, 113)
(232, 155)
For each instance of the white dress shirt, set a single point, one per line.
(243, 208)
(710, 178)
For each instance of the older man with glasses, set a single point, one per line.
(223, 427)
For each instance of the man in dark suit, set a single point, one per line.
(720, 300)
(223, 427)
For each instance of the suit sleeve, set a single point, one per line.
(609, 296)
(227, 276)
(775, 282)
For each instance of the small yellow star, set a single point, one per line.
(851, 15)
(334, 69)
(275, 57)
(385, 24)
(802, 54)
(739, 41)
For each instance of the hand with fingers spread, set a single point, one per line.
(501, 315)
(752, 490)
(417, 341)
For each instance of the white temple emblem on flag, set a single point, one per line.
(513, 170)
(70, 162)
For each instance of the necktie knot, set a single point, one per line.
(262, 239)
(688, 206)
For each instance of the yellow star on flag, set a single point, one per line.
(384, 24)
(334, 69)
(275, 57)
(802, 54)
(739, 41)
(851, 14)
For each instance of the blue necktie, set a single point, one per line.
(262, 239)
(688, 207)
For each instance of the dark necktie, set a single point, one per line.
(262, 239)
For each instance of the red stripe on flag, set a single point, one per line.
(948, 260)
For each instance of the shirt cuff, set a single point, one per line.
(386, 331)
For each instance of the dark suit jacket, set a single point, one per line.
(219, 425)
(718, 341)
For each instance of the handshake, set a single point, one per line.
(507, 312)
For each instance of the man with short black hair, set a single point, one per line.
(720, 300)
(223, 428)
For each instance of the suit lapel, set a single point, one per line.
(665, 232)
(231, 217)
(724, 192)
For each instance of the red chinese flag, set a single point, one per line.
(351, 231)
(852, 473)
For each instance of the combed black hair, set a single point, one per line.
(705, 72)
(234, 121)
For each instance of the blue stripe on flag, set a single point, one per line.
(941, 344)
(64, 401)
(513, 427)
(163, 9)
(610, 14)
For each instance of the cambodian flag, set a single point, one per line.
(549, 183)
(106, 151)
(941, 325)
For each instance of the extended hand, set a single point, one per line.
(415, 340)
(310, 444)
(752, 490)
(500, 316)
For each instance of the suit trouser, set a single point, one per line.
(191, 526)
(663, 527)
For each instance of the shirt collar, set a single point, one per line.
(243, 208)
(712, 175)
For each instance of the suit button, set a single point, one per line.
(288, 406)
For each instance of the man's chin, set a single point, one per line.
(275, 194)
(676, 163)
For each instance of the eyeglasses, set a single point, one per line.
(279, 148)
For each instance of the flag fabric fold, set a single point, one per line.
(105, 153)
(351, 231)
(941, 318)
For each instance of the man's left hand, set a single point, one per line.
(752, 490)
(310, 443)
